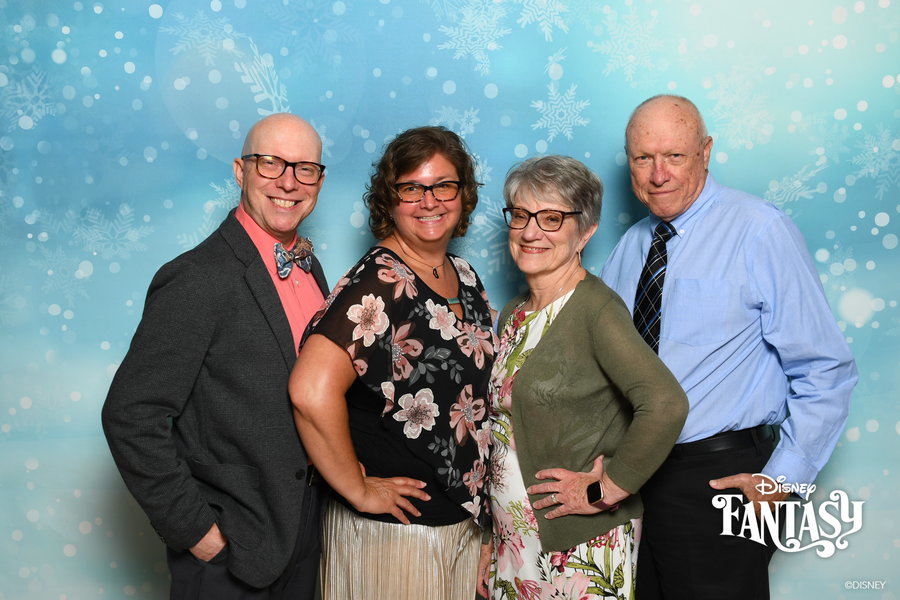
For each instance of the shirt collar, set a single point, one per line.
(263, 241)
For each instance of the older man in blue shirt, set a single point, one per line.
(746, 329)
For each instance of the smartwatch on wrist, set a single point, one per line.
(595, 494)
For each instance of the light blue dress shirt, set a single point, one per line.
(746, 328)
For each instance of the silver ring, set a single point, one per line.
(553, 497)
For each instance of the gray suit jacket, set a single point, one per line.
(198, 417)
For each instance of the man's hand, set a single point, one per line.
(747, 484)
(210, 544)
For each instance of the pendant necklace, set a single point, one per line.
(434, 269)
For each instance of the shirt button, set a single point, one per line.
(301, 474)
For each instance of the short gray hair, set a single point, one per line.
(561, 178)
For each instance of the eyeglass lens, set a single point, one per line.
(547, 219)
(272, 167)
(414, 192)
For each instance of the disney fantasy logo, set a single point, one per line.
(792, 526)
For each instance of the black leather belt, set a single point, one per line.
(761, 436)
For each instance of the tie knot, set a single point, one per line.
(664, 230)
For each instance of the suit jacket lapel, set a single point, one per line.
(260, 284)
(319, 275)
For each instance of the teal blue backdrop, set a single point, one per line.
(119, 120)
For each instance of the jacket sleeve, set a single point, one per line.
(150, 390)
(660, 405)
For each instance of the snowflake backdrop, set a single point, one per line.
(119, 119)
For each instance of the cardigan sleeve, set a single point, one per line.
(660, 405)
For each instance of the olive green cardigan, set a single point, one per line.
(592, 386)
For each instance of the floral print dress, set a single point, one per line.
(599, 568)
(422, 375)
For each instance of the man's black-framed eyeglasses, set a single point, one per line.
(411, 192)
(272, 167)
(547, 219)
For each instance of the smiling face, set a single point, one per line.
(540, 253)
(668, 155)
(279, 205)
(427, 225)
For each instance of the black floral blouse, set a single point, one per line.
(418, 407)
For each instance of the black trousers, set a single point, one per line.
(681, 554)
(193, 579)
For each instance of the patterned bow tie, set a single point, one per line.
(301, 254)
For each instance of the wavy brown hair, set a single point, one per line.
(405, 153)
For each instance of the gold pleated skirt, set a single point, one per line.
(364, 559)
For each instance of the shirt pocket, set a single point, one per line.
(700, 312)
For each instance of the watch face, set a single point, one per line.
(594, 493)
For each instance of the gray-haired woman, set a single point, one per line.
(583, 411)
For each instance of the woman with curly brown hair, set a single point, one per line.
(389, 391)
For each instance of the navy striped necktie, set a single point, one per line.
(648, 297)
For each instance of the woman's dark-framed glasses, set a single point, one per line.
(547, 219)
(443, 191)
(272, 167)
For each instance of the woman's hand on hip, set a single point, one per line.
(484, 570)
(568, 491)
(390, 496)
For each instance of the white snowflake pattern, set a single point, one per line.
(311, 30)
(59, 266)
(327, 142)
(11, 302)
(58, 221)
(6, 167)
(792, 188)
(560, 113)
(259, 73)
(227, 196)
(111, 238)
(5, 219)
(879, 160)
(630, 44)
(482, 169)
(445, 10)
(44, 417)
(27, 97)
(588, 12)
(546, 13)
(553, 67)
(487, 236)
(828, 138)
(461, 122)
(741, 117)
(208, 37)
(478, 33)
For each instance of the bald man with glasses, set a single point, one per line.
(198, 417)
